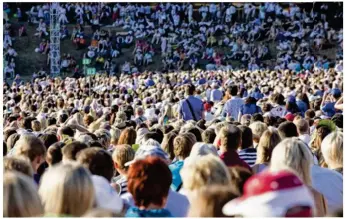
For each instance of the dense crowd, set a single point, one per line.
(189, 36)
(180, 143)
(262, 143)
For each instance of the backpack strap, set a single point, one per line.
(191, 109)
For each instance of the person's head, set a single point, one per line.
(67, 189)
(54, 154)
(208, 136)
(309, 114)
(168, 144)
(69, 152)
(287, 130)
(210, 200)
(36, 126)
(230, 138)
(238, 177)
(128, 136)
(233, 90)
(103, 136)
(247, 137)
(115, 135)
(182, 145)
(302, 126)
(257, 129)
(19, 164)
(88, 119)
(97, 161)
(139, 111)
(189, 89)
(204, 171)
(121, 155)
(65, 132)
(48, 139)
(273, 194)
(31, 147)
(292, 153)
(269, 139)
(149, 181)
(20, 197)
(12, 140)
(332, 150)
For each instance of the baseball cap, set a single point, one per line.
(289, 117)
(272, 194)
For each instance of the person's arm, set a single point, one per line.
(339, 104)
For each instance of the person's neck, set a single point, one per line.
(333, 166)
(151, 207)
(122, 172)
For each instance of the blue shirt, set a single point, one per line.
(250, 109)
(196, 105)
(302, 106)
(216, 95)
(136, 212)
(329, 109)
(175, 169)
(232, 107)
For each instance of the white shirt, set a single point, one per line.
(330, 184)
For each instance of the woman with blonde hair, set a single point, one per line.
(67, 189)
(332, 151)
(258, 128)
(128, 136)
(203, 171)
(166, 115)
(20, 198)
(293, 154)
(269, 139)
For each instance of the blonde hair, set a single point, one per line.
(36, 126)
(204, 171)
(258, 128)
(20, 196)
(67, 189)
(115, 135)
(293, 153)
(20, 164)
(268, 141)
(123, 154)
(302, 126)
(332, 149)
(29, 146)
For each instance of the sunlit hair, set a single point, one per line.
(258, 129)
(332, 150)
(104, 137)
(210, 200)
(115, 135)
(269, 139)
(20, 197)
(123, 154)
(20, 164)
(67, 189)
(128, 136)
(168, 144)
(292, 153)
(183, 144)
(204, 171)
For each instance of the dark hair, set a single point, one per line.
(257, 117)
(233, 90)
(4, 152)
(208, 136)
(168, 144)
(247, 137)
(54, 154)
(338, 120)
(238, 177)
(8, 133)
(48, 139)
(95, 144)
(310, 113)
(51, 121)
(287, 129)
(149, 181)
(70, 150)
(67, 130)
(98, 161)
(155, 134)
(167, 129)
(195, 131)
(190, 89)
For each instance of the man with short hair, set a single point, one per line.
(287, 130)
(233, 106)
(246, 151)
(191, 108)
(230, 140)
(70, 151)
(303, 130)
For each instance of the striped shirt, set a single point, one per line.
(248, 155)
(122, 182)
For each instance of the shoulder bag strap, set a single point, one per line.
(191, 110)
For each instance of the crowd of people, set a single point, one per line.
(189, 36)
(210, 142)
(237, 143)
